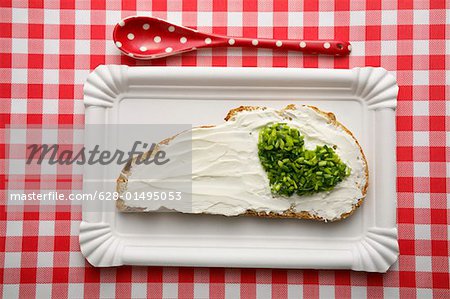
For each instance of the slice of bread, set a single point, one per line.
(301, 207)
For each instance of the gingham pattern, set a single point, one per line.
(47, 50)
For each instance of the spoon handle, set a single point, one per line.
(327, 47)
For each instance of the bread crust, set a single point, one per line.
(123, 178)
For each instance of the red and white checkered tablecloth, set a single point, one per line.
(47, 48)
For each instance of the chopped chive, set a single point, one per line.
(322, 163)
(292, 168)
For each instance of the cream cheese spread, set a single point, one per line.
(227, 177)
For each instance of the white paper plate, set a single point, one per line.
(363, 99)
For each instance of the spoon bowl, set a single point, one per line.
(145, 37)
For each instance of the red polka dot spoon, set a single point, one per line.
(148, 38)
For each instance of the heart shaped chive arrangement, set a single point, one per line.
(292, 168)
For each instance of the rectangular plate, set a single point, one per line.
(363, 99)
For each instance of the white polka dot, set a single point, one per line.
(145, 26)
(118, 44)
(168, 49)
(350, 48)
(171, 29)
(183, 40)
(121, 23)
(326, 45)
(255, 42)
(130, 54)
(157, 39)
(279, 43)
(194, 48)
(143, 49)
(130, 36)
(231, 41)
(207, 40)
(302, 45)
